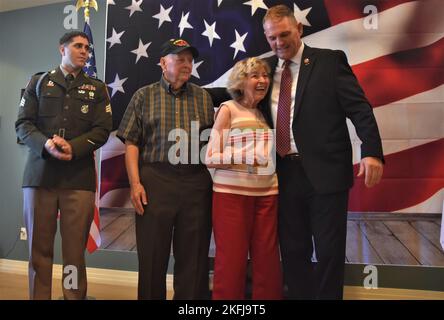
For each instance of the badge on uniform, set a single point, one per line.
(81, 91)
(91, 94)
(84, 108)
(50, 84)
(22, 102)
(108, 109)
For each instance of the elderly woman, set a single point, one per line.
(245, 189)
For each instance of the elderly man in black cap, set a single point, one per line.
(170, 187)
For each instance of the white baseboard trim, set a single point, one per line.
(361, 293)
(95, 275)
(129, 279)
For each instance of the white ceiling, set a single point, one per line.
(8, 5)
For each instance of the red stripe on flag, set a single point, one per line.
(410, 177)
(344, 10)
(94, 239)
(113, 174)
(93, 242)
(403, 74)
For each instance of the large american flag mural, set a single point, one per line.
(395, 47)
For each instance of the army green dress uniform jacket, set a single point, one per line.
(81, 114)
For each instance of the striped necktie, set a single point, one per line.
(283, 112)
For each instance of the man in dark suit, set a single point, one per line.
(64, 116)
(313, 92)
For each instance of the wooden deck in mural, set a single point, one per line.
(400, 239)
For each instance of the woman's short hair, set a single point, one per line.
(240, 72)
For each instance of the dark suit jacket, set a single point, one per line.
(327, 93)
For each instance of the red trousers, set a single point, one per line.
(242, 225)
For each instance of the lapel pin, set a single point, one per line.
(306, 61)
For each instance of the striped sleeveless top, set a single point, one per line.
(250, 135)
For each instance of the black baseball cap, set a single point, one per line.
(175, 46)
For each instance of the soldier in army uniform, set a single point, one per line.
(64, 116)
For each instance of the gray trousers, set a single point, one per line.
(41, 207)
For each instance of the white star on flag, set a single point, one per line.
(163, 15)
(238, 45)
(210, 32)
(256, 4)
(141, 51)
(301, 15)
(195, 66)
(184, 23)
(117, 85)
(87, 65)
(135, 6)
(115, 38)
(330, 28)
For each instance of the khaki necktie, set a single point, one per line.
(69, 79)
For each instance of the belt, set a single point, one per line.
(292, 156)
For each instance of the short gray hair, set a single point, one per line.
(240, 72)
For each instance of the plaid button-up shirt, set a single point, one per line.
(153, 114)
